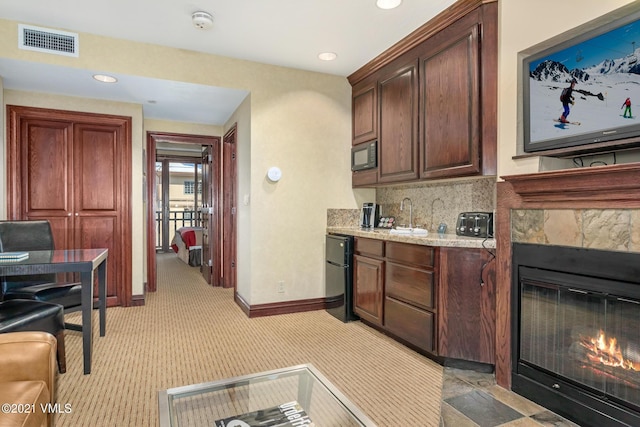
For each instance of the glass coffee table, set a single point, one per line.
(300, 394)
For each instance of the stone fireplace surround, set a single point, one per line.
(583, 198)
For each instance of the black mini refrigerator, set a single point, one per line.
(339, 277)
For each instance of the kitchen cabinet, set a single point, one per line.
(458, 89)
(466, 305)
(410, 311)
(436, 99)
(368, 280)
(365, 112)
(398, 135)
(449, 119)
(439, 300)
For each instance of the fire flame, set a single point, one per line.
(607, 352)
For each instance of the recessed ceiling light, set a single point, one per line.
(388, 4)
(104, 78)
(327, 56)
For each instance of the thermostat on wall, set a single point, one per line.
(274, 174)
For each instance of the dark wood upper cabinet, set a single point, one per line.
(437, 99)
(398, 137)
(365, 112)
(449, 119)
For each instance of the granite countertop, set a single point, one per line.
(431, 239)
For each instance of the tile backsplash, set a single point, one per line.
(432, 204)
(607, 229)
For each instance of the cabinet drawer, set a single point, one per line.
(409, 284)
(369, 247)
(410, 323)
(412, 254)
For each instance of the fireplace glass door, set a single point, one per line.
(585, 336)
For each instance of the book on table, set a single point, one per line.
(289, 414)
(13, 256)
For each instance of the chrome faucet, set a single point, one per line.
(410, 210)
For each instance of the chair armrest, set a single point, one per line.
(28, 356)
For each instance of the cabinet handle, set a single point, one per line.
(77, 214)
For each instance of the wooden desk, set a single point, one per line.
(83, 261)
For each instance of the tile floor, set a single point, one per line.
(472, 399)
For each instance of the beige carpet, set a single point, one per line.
(189, 332)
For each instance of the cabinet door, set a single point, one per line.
(466, 305)
(450, 117)
(398, 138)
(365, 113)
(368, 288)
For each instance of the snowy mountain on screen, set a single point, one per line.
(553, 71)
(600, 91)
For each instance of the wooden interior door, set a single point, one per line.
(74, 169)
(229, 216)
(44, 190)
(206, 215)
(97, 199)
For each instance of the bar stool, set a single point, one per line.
(28, 315)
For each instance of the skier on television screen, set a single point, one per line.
(627, 107)
(567, 98)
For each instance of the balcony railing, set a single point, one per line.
(176, 219)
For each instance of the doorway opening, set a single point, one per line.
(198, 176)
(178, 194)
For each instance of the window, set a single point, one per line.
(189, 187)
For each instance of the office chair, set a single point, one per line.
(36, 236)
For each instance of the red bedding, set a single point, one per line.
(188, 236)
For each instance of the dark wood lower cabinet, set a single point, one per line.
(368, 288)
(466, 305)
(441, 300)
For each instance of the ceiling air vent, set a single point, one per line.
(47, 40)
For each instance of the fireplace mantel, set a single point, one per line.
(617, 183)
(600, 187)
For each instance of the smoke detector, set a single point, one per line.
(202, 20)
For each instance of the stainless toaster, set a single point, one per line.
(475, 224)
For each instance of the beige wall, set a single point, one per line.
(297, 120)
(525, 23)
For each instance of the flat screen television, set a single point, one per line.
(604, 63)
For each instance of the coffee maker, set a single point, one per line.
(370, 215)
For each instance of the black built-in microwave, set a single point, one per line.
(364, 156)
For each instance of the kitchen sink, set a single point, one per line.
(409, 231)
